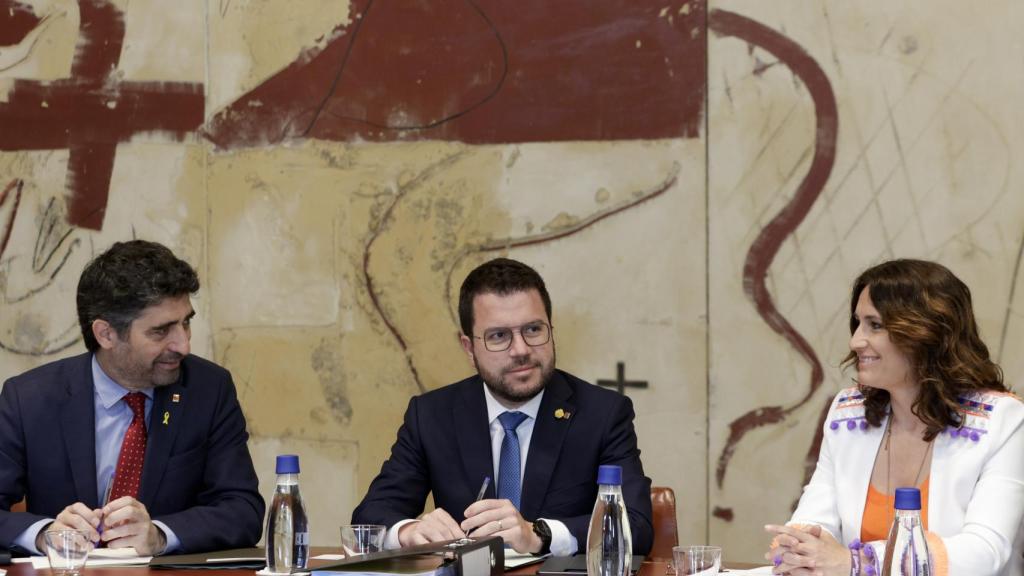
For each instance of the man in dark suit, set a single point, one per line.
(540, 432)
(135, 442)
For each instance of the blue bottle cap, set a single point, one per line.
(908, 499)
(609, 474)
(288, 464)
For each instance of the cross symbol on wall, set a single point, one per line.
(620, 381)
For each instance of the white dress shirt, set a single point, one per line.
(562, 541)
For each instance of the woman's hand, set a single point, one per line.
(807, 552)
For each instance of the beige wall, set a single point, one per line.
(314, 255)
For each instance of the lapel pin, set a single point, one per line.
(175, 398)
(560, 414)
(167, 417)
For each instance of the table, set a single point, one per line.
(660, 568)
(649, 568)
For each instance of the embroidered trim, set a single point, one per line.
(976, 411)
(849, 411)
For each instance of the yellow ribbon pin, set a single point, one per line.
(167, 416)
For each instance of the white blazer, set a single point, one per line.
(975, 493)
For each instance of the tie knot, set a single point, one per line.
(511, 420)
(137, 402)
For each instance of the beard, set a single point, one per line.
(158, 378)
(505, 388)
(135, 374)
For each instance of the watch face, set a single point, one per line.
(541, 528)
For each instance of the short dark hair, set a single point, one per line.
(119, 284)
(929, 316)
(501, 276)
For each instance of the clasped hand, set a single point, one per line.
(483, 518)
(808, 551)
(122, 523)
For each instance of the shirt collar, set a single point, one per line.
(110, 392)
(495, 409)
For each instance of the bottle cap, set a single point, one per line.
(288, 464)
(908, 499)
(609, 474)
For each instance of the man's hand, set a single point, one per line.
(126, 524)
(500, 518)
(435, 526)
(77, 516)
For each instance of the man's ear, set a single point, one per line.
(467, 346)
(104, 333)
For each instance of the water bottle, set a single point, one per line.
(906, 551)
(609, 543)
(287, 526)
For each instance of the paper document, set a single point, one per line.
(100, 557)
(515, 559)
(334, 557)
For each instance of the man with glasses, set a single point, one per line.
(538, 432)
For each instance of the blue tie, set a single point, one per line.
(508, 462)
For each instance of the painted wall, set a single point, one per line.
(698, 184)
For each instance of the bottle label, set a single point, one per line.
(302, 538)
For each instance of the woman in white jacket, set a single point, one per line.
(929, 410)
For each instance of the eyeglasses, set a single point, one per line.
(500, 339)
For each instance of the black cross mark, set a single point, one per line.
(620, 382)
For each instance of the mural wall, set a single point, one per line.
(697, 182)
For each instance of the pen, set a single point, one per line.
(483, 489)
(110, 488)
(480, 494)
(106, 499)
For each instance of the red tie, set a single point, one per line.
(133, 450)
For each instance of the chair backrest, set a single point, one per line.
(19, 506)
(666, 531)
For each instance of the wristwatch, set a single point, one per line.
(543, 531)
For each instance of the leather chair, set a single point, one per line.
(666, 531)
(18, 506)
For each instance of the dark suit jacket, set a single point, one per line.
(197, 476)
(444, 447)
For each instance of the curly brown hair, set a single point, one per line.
(928, 315)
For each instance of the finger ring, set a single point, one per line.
(499, 525)
(777, 560)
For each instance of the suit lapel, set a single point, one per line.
(472, 432)
(546, 444)
(165, 420)
(77, 423)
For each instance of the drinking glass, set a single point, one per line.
(362, 538)
(67, 550)
(697, 560)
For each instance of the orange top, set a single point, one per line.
(878, 513)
